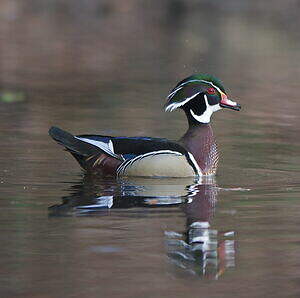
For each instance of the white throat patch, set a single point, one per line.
(205, 117)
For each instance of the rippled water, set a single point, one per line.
(64, 234)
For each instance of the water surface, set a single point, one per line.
(93, 70)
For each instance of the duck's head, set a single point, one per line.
(199, 96)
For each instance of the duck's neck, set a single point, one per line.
(199, 140)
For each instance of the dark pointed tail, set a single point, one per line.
(71, 143)
(90, 157)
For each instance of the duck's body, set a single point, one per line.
(132, 156)
(195, 154)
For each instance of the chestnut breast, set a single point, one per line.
(200, 141)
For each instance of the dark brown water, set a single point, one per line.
(106, 68)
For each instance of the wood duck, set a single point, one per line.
(195, 154)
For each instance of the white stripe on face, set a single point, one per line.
(207, 82)
(172, 93)
(175, 105)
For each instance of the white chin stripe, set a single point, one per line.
(205, 117)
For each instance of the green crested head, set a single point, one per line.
(199, 95)
(204, 77)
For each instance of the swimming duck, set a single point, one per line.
(195, 154)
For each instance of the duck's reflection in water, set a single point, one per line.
(199, 249)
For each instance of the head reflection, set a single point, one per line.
(198, 249)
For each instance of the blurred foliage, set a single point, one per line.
(11, 96)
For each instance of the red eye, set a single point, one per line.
(211, 90)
